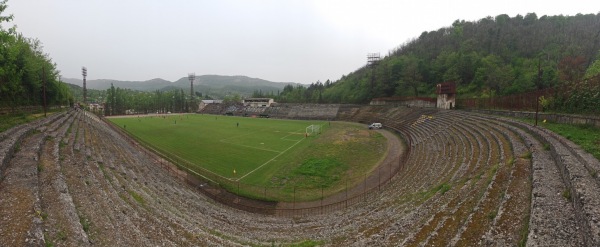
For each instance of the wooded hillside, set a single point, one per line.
(499, 55)
(27, 74)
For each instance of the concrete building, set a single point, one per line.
(258, 102)
(446, 92)
(204, 103)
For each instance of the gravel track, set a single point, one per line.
(469, 179)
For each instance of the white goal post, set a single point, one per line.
(313, 129)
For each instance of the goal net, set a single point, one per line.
(313, 129)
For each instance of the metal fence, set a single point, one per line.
(266, 200)
(559, 99)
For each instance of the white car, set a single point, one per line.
(375, 126)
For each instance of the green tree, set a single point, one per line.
(26, 72)
(411, 76)
(593, 70)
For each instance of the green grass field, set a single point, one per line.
(266, 153)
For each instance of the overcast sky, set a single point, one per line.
(278, 40)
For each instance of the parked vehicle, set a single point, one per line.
(375, 126)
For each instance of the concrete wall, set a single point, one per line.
(409, 103)
(419, 103)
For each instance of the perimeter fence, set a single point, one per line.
(581, 97)
(267, 200)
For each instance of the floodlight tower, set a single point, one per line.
(84, 73)
(191, 77)
(372, 61)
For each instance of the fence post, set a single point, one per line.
(379, 173)
(321, 199)
(346, 192)
(365, 188)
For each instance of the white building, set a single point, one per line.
(258, 102)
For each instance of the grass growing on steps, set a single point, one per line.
(586, 136)
(12, 120)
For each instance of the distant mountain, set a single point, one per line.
(93, 95)
(215, 85)
(103, 84)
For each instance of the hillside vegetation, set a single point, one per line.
(499, 55)
(28, 77)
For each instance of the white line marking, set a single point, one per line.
(272, 159)
(247, 146)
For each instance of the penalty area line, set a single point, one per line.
(269, 161)
(285, 138)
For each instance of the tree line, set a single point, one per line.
(120, 101)
(27, 74)
(490, 57)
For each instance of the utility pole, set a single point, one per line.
(44, 82)
(84, 73)
(537, 93)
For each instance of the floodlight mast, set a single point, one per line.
(192, 77)
(373, 59)
(372, 62)
(84, 73)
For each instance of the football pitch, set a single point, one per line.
(249, 150)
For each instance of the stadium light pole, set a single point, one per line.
(372, 62)
(191, 77)
(84, 74)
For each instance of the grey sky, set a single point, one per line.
(285, 41)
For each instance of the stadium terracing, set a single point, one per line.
(469, 179)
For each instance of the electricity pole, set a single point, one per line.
(44, 81)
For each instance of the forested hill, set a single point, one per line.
(215, 85)
(493, 56)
